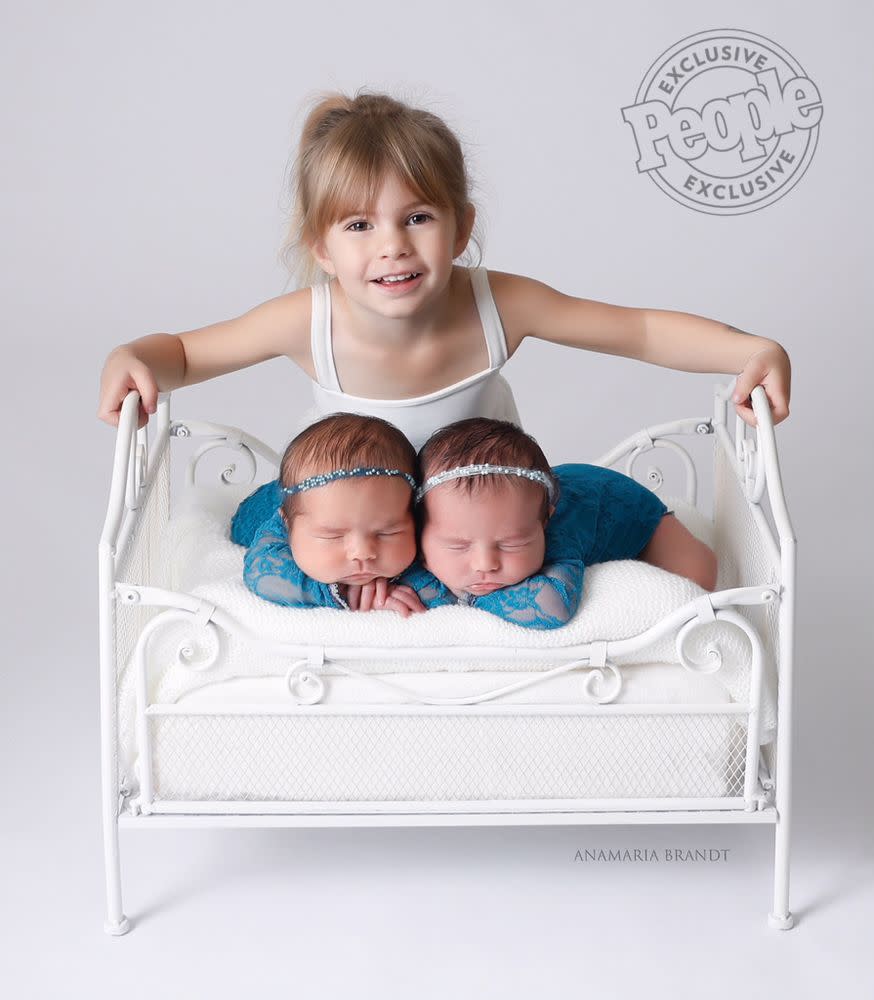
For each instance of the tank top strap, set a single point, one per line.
(320, 338)
(493, 330)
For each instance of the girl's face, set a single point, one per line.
(479, 542)
(402, 236)
(354, 530)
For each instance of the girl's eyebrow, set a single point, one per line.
(407, 208)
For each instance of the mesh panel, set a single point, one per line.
(446, 758)
(743, 559)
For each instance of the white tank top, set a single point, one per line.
(485, 394)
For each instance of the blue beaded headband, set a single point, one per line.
(467, 471)
(330, 477)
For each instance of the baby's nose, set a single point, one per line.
(360, 547)
(485, 559)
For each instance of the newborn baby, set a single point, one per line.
(339, 517)
(502, 531)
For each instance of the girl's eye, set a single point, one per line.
(457, 548)
(512, 548)
(353, 227)
(388, 534)
(422, 216)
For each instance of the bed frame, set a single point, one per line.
(756, 548)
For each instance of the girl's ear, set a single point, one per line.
(320, 253)
(465, 229)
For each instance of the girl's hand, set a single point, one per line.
(380, 595)
(122, 372)
(770, 369)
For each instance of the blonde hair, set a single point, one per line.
(348, 145)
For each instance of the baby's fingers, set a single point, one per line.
(393, 604)
(367, 596)
(407, 596)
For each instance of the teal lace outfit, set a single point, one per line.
(600, 515)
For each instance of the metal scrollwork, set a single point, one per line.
(246, 454)
(654, 475)
(712, 660)
(753, 471)
(194, 654)
(597, 688)
(304, 685)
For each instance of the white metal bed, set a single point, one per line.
(306, 761)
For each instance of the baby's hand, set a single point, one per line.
(380, 595)
(121, 373)
(770, 369)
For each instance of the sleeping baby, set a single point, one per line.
(503, 532)
(340, 516)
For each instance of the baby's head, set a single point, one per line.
(481, 529)
(348, 505)
(349, 147)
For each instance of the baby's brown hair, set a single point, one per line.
(344, 441)
(483, 441)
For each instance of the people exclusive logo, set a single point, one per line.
(726, 122)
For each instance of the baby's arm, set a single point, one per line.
(548, 599)
(661, 337)
(430, 591)
(162, 362)
(269, 570)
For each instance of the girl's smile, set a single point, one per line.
(398, 250)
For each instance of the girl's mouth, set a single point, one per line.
(396, 282)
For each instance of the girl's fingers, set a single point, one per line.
(353, 596)
(381, 592)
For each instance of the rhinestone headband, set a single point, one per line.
(331, 477)
(468, 471)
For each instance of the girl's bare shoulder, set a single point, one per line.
(518, 300)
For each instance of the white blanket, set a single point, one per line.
(620, 600)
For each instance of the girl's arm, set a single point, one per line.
(162, 362)
(661, 337)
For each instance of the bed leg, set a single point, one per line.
(116, 922)
(780, 917)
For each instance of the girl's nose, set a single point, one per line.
(396, 243)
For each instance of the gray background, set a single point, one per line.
(144, 155)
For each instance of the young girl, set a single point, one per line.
(339, 516)
(503, 532)
(398, 330)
